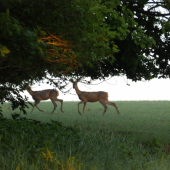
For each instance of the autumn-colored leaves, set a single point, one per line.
(60, 52)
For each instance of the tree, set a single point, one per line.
(145, 59)
(144, 50)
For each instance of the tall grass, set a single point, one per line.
(137, 139)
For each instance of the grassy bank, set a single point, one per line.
(137, 139)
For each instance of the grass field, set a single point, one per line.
(137, 139)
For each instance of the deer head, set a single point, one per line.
(26, 86)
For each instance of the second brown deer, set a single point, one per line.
(85, 97)
(44, 95)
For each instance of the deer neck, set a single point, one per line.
(77, 90)
(30, 91)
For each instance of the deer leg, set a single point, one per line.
(60, 100)
(105, 107)
(113, 104)
(35, 105)
(78, 107)
(39, 109)
(84, 107)
(55, 105)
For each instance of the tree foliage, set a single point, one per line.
(82, 38)
(144, 49)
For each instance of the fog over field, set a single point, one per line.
(119, 88)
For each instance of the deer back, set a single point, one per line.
(93, 96)
(45, 94)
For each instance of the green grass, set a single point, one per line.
(137, 139)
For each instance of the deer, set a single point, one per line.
(44, 95)
(85, 97)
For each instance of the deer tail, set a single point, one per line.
(57, 93)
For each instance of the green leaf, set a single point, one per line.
(7, 12)
(4, 50)
(142, 45)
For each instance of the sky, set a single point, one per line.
(118, 90)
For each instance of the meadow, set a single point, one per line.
(137, 139)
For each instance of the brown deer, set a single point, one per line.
(85, 97)
(44, 95)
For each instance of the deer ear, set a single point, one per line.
(78, 79)
(71, 80)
